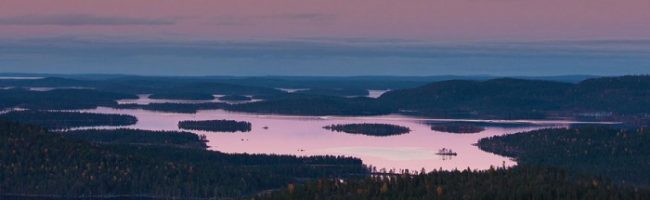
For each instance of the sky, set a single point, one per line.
(330, 38)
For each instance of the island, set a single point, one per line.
(369, 129)
(68, 119)
(446, 152)
(459, 128)
(216, 125)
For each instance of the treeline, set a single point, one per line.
(369, 129)
(516, 183)
(290, 104)
(216, 125)
(65, 120)
(190, 88)
(622, 155)
(182, 96)
(299, 104)
(36, 162)
(139, 137)
(148, 85)
(174, 107)
(497, 98)
(613, 98)
(61, 99)
(457, 128)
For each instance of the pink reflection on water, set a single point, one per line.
(299, 135)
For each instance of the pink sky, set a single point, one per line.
(433, 20)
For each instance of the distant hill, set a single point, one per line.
(45, 82)
(506, 97)
(604, 98)
(329, 82)
(518, 98)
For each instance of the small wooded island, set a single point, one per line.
(369, 129)
(216, 125)
(457, 128)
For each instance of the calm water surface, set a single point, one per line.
(298, 135)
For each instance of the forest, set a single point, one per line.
(619, 154)
(188, 87)
(138, 137)
(461, 128)
(574, 163)
(617, 98)
(59, 99)
(66, 120)
(300, 104)
(174, 107)
(42, 164)
(216, 125)
(621, 98)
(369, 129)
(182, 96)
(522, 182)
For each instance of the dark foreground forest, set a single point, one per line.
(516, 183)
(38, 163)
(41, 164)
(139, 137)
(622, 155)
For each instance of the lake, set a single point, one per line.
(301, 135)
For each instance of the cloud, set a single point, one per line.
(302, 17)
(290, 17)
(80, 20)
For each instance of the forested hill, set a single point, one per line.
(59, 99)
(508, 97)
(625, 98)
(625, 94)
(145, 85)
(516, 98)
(622, 155)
